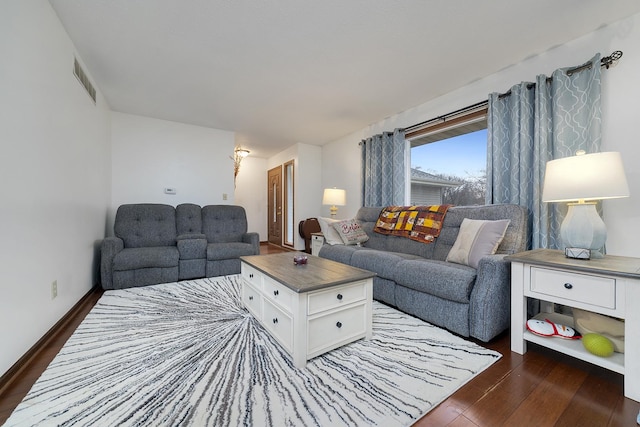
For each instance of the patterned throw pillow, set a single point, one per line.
(476, 239)
(351, 232)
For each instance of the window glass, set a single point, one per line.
(451, 170)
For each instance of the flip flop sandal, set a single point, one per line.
(546, 328)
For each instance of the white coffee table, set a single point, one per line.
(309, 309)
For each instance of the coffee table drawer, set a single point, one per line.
(251, 275)
(279, 324)
(332, 298)
(334, 329)
(252, 300)
(278, 293)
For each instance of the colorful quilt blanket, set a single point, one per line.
(420, 223)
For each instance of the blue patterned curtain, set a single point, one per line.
(383, 169)
(550, 119)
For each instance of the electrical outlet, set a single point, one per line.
(224, 196)
(54, 289)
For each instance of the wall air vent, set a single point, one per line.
(83, 79)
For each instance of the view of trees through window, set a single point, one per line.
(450, 171)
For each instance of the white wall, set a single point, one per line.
(251, 193)
(55, 174)
(341, 168)
(308, 188)
(621, 91)
(150, 155)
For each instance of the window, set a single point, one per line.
(448, 160)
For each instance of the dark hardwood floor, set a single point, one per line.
(540, 388)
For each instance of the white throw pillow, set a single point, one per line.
(476, 239)
(331, 236)
(350, 231)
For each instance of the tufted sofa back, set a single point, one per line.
(145, 225)
(515, 238)
(368, 216)
(188, 219)
(224, 223)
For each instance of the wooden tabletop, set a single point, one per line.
(611, 264)
(317, 273)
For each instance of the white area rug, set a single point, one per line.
(190, 354)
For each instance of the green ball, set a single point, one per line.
(598, 345)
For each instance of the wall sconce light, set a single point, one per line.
(335, 197)
(238, 154)
(581, 180)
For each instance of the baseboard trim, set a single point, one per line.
(285, 248)
(12, 374)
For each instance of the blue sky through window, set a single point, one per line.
(462, 156)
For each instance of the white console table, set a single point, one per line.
(608, 286)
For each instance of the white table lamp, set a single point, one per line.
(581, 180)
(334, 197)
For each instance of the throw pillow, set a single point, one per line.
(331, 236)
(351, 232)
(477, 238)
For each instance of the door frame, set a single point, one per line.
(274, 205)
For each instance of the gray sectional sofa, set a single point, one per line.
(156, 243)
(416, 278)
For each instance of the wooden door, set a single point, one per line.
(274, 205)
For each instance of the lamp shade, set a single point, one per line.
(334, 196)
(593, 176)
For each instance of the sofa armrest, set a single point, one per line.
(254, 239)
(192, 246)
(490, 305)
(108, 250)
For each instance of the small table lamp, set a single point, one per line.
(581, 180)
(335, 197)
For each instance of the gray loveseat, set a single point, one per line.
(416, 278)
(156, 243)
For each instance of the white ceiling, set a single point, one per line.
(278, 72)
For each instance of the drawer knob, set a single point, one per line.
(251, 298)
(275, 320)
(251, 275)
(339, 324)
(568, 286)
(276, 292)
(340, 297)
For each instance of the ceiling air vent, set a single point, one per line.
(83, 79)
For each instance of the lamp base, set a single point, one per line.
(334, 211)
(577, 253)
(583, 228)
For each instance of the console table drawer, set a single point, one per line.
(583, 288)
(252, 300)
(332, 298)
(279, 324)
(333, 329)
(277, 293)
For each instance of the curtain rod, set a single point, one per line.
(606, 62)
(444, 118)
